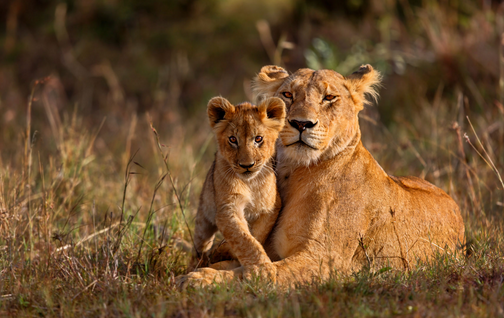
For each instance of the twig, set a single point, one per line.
(28, 158)
(274, 51)
(70, 61)
(28, 152)
(501, 60)
(87, 287)
(127, 175)
(198, 158)
(404, 260)
(151, 213)
(463, 160)
(361, 244)
(90, 236)
(181, 206)
(489, 162)
(93, 138)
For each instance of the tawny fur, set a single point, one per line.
(340, 210)
(242, 203)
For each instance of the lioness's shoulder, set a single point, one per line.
(415, 183)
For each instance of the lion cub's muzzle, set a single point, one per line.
(248, 170)
(247, 165)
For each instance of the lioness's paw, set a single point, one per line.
(267, 272)
(201, 277)
(182, 282)
(197, 278)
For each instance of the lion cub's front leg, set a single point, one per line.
(261, 228)
(231, 222)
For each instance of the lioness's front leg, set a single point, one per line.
(235, 230)
(301, 267)
(225, 265)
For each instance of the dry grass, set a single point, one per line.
(93, 210)
(80, 239)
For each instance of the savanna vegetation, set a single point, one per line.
(104, 146)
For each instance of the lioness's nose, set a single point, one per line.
(301, 125)
(247, 165)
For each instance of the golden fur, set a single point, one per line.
(340, 210)
(239, 196)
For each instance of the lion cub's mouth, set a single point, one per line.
(248, 174)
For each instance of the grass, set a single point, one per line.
(95, 210)
(79, 239)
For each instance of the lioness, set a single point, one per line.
(239, 196)
(340, 209)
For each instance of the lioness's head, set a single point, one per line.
(246, 134)
(322, 109)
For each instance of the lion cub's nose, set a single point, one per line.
(301, 125)
(247, 165)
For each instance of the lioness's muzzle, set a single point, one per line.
(302, 125)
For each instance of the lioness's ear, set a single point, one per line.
(267, 82)
(217, 108)
(272, 111)
(362, 82)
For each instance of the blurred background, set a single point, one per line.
(101, 71)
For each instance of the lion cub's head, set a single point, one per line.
(322, 109)
(246, 134)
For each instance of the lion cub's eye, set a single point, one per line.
(330, 97)
(232, 139)
(287, 94)
(258, 139)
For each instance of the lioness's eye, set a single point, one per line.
(258, 139)
(329, 97)
(232, 139)
(287, 94)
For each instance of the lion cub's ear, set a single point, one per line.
(363, 82)
(267, 82)
(272, 113)
(217, 109)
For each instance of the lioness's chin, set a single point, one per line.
(299, 154)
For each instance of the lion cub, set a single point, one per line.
(239, 196)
